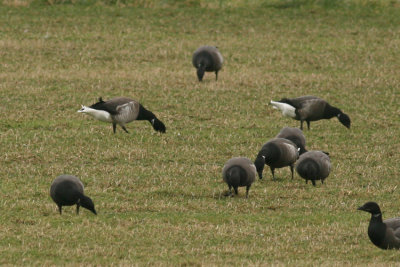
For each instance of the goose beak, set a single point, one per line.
(361, 208)
(81, 110)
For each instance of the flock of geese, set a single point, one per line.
(287, 149)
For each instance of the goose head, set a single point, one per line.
(259, 163)
(371, 207)
(344, 119)
(87, 203)
(200, 71)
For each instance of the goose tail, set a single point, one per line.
(287, 110)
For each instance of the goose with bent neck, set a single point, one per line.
(310, 108)
(276, 153)
(207, 59)
(67, 190)
(122, 110)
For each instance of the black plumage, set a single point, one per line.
(296, 136)
(276, 153)
(237, 172)
(207, 58)
(312, 108)
(383, 234)
(67, 190)
(314, 165)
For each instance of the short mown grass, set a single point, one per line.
(159, 197)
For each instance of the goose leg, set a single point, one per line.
(236, 190)
(123, 127)
(77, 208)
(291, 169)
(216, 75)
(114, 127)
(247, 191)
(313, 182)
(301, 125)
(308, 125)
(60, 209)
(273, 173)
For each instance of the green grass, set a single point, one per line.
(159, 197)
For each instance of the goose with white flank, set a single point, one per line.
(383, 234)
(296, 136)
(67, 190)
(239, 171)
(122, 110)
(314, 165)
(309, 108)
(276, 153)
(207, 58)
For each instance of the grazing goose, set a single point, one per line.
(207, 58)
(67, 190)
(313, 165)
(121, 110)
(276, 153)
(383, 234)
(296, 136)
(309, 108)
(237, 172)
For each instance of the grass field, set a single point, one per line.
(160, 197)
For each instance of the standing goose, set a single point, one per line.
(314, 165)
(237, 172)
(383, 234)
(122, 110)
(276, 153)
(67, 190)
(309, 108)
(207, 58)
(296, 136)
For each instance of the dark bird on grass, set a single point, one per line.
(296, 136)
(314, 165)
(67, 190)
(122, 110)
(383, 234)
(207, 58)
(276, 153)
(239, 171)
(309, 108)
